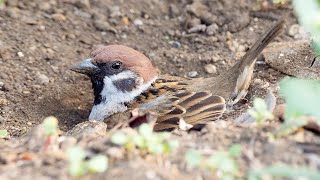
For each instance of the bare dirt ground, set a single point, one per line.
(40, 40)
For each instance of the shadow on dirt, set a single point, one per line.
(71, 106)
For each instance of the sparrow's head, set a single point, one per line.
(118, 74)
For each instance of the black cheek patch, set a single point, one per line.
(125, 85)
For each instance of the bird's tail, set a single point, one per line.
(241, 73)
(260, 44)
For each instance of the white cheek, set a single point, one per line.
(113, 99)
(101, 111)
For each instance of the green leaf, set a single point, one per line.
(254, 113)
(119, 138)
(259, 104)
(164, 135)
(173, 144)
(50, 125)
(3, 133)
(279, 1)
(156, 148)
(138, 141)
(77, 169)
(227, 177)
(279, 170)
(193, 158)
(235, 150)
(302, 97)
(216, 159)
(76, 154)
(228, 165)
(260, 111)
(308, 14)
(223, 162)
(170, 145)
(145, 130)
(78, 166)
(98, 164)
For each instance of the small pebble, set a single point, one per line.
(294, 30)
(12, 12)
(44, 6)
(3, 102)
(114, 11)
(42, 27)
(193, 22)
(175, 44)
(125, 21)
(124, 36)
(197, 28)
(30, 21)
(20, 54)
(55, 69)
(104, 26)
(151, 174)
(42, 79)
(137, 22)
(210, 69)
(83, 3)
(212, 29)
(81, 13)
(213, 39)
(297, 32)
(257, 81)
(2, 119)
(192, 74)
(26, 92)
(58, 17)
(66, 142)
(229, 35)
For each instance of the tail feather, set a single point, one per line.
(260, 44)
(241, 73)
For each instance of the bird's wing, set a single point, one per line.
(192, 108)
(174, 104)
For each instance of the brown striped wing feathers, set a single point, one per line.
(173, 104)
(192, 108)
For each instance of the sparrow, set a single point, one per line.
(124, 79)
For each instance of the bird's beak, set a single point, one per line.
(85, 67)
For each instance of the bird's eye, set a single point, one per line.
(116, 65)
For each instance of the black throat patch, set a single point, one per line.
(97, 86)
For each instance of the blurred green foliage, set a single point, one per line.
(302, 97)
(302, 100)
(79, 166)
(222, 161)
(279, 1)
(50, 126)
(145, 140)
(3, 133)
(260, 111)
(281, 170)
(309, 17)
